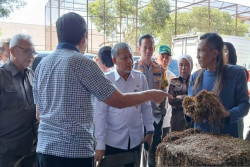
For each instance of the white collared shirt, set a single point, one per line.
(114, 126)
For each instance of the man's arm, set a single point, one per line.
(241, 108)
(105, 91)
(100, 119)
(37, 113)
(147, 116)
(120, 100)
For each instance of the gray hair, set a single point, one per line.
(3, 43)
(19, 37)
(115, 49)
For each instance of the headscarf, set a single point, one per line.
(188, 58)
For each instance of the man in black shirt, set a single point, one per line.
(17, 109)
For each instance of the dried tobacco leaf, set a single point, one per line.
(194, 148)
(205, 106)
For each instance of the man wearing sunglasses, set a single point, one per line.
(17, 109)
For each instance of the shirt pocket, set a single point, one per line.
(10, 94)
(157, 81)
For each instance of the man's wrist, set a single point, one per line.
(151, 132)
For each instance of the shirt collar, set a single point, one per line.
(117, 75)
(152, 63)
(69, 46)
(12, 67)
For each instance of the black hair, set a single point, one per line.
(146, 36)
(232, 56)
(71, 27)
(104, 56)
(214, 42)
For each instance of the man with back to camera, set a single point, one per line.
(17, 108)
(4, 51)
(156, 80)
(164, 58)
(127, 122)
(63, 84)
(104, 59)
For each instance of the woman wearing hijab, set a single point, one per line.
(179, 89)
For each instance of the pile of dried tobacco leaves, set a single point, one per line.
(205, 106)
(194, 148)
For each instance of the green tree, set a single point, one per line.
(196, 20)
(154, 18)
(8, 6)
(106, 14)
(151, 17)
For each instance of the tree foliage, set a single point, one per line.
(196, 20)
(151, 17)
(154, 18)
(8, 6)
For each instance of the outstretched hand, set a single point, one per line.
(159, 95)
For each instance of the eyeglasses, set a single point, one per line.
(27, 51)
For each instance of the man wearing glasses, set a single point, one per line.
(4, 51)
(17, 109)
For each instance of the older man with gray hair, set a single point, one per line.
(17, 108)
(4, 51)
(121, 130)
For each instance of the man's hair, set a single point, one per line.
(232, 56)
(214, 42)
(104, 56)
(71, 27)
(123, 45)
(3, 43)
(19, 37)
(146, 36)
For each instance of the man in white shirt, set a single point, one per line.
(122, 130)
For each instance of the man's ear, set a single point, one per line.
(114, 60)
(156, 58)
(138, 48)
(12, 51)
(83, 44)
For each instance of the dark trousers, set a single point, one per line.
(8, 160)
(156, 140)
(44, 160)
(165, 131)
(111, 150)
(178, 122)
